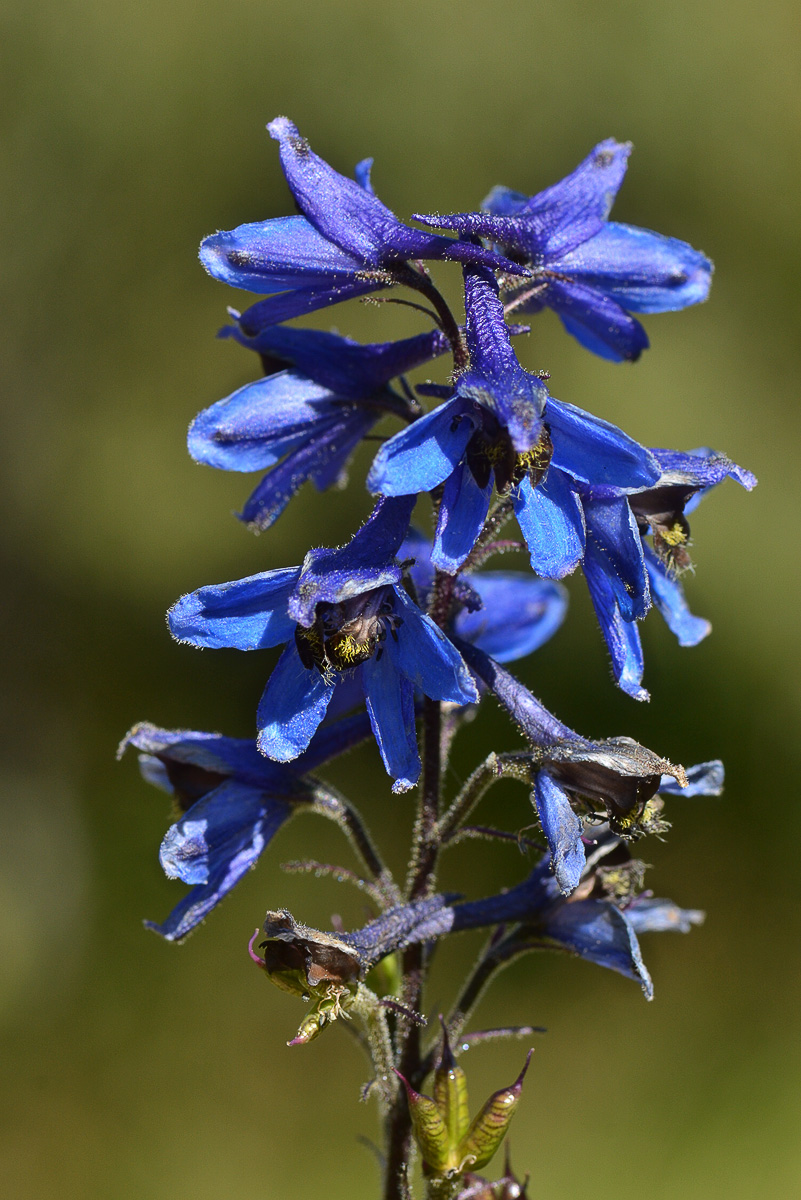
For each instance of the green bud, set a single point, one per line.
(333, 1004)
(450, 1092)
(489, 1128)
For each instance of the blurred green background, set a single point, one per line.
(130, 130)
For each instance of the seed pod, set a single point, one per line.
(450, 1092)
(430, 1131)
(490, 1126)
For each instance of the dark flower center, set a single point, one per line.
(346, 634)
(490, 451)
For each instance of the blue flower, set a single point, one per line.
(304, 421)
(594, 273)
(624, 574)
(501, 426)
(599, 923)
(345, 615)
(232, 802)
(344, 244)
(571, 775)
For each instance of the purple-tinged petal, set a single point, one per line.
(596, 320)
(554, 221)
(213, 846)
(351, 370)
(551, 519)
(668, 596)
(270, 256)
(519, 615)
(696, 471)
(596, 452)
(426, 656)
(293, 704)
(622, 637)
(643, 271)
(255, 426)
(562, 829)
(354, 218)
(539, 726)
(421, 457)
(614, 537)
(366, 562)
(651, 915)
(390, 704)
(249, 614)
(704, 779)
(601, 933)
(495, 378)
(303, 300)
(462, 514)
(321, 460)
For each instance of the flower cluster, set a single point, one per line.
(396, 626)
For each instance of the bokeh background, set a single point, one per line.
(130, 130)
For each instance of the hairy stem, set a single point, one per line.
(328, 803)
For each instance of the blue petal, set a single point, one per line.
(552, 522)
(425, 656)
(641, 270)
(354, 217)
(594, 451)
(270, 256)
(704, 779)
(562, 829)
(668, 596)
(248, 614)
(699, 470)
(213, 846)
(554, 221)
(365, 563)
(361, 173)
(292, 706)
(519, 615)
(596, 320)
(622, 637)
(390, 703)
(613, 534)
(648, 915)
(495, 378)
(321, 459)
(256, 425)
(421, 457)
(303, 300)
(351, 370)
(599, 932)
(462, 514)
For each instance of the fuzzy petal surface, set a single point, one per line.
(562, 829)
(390, 704)
(248, 614)
(422, 456)
(428, 658)
(551, 519)
(462, 514)
(643, 271)
(271, 256)
(596, 452)
(292, 706)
